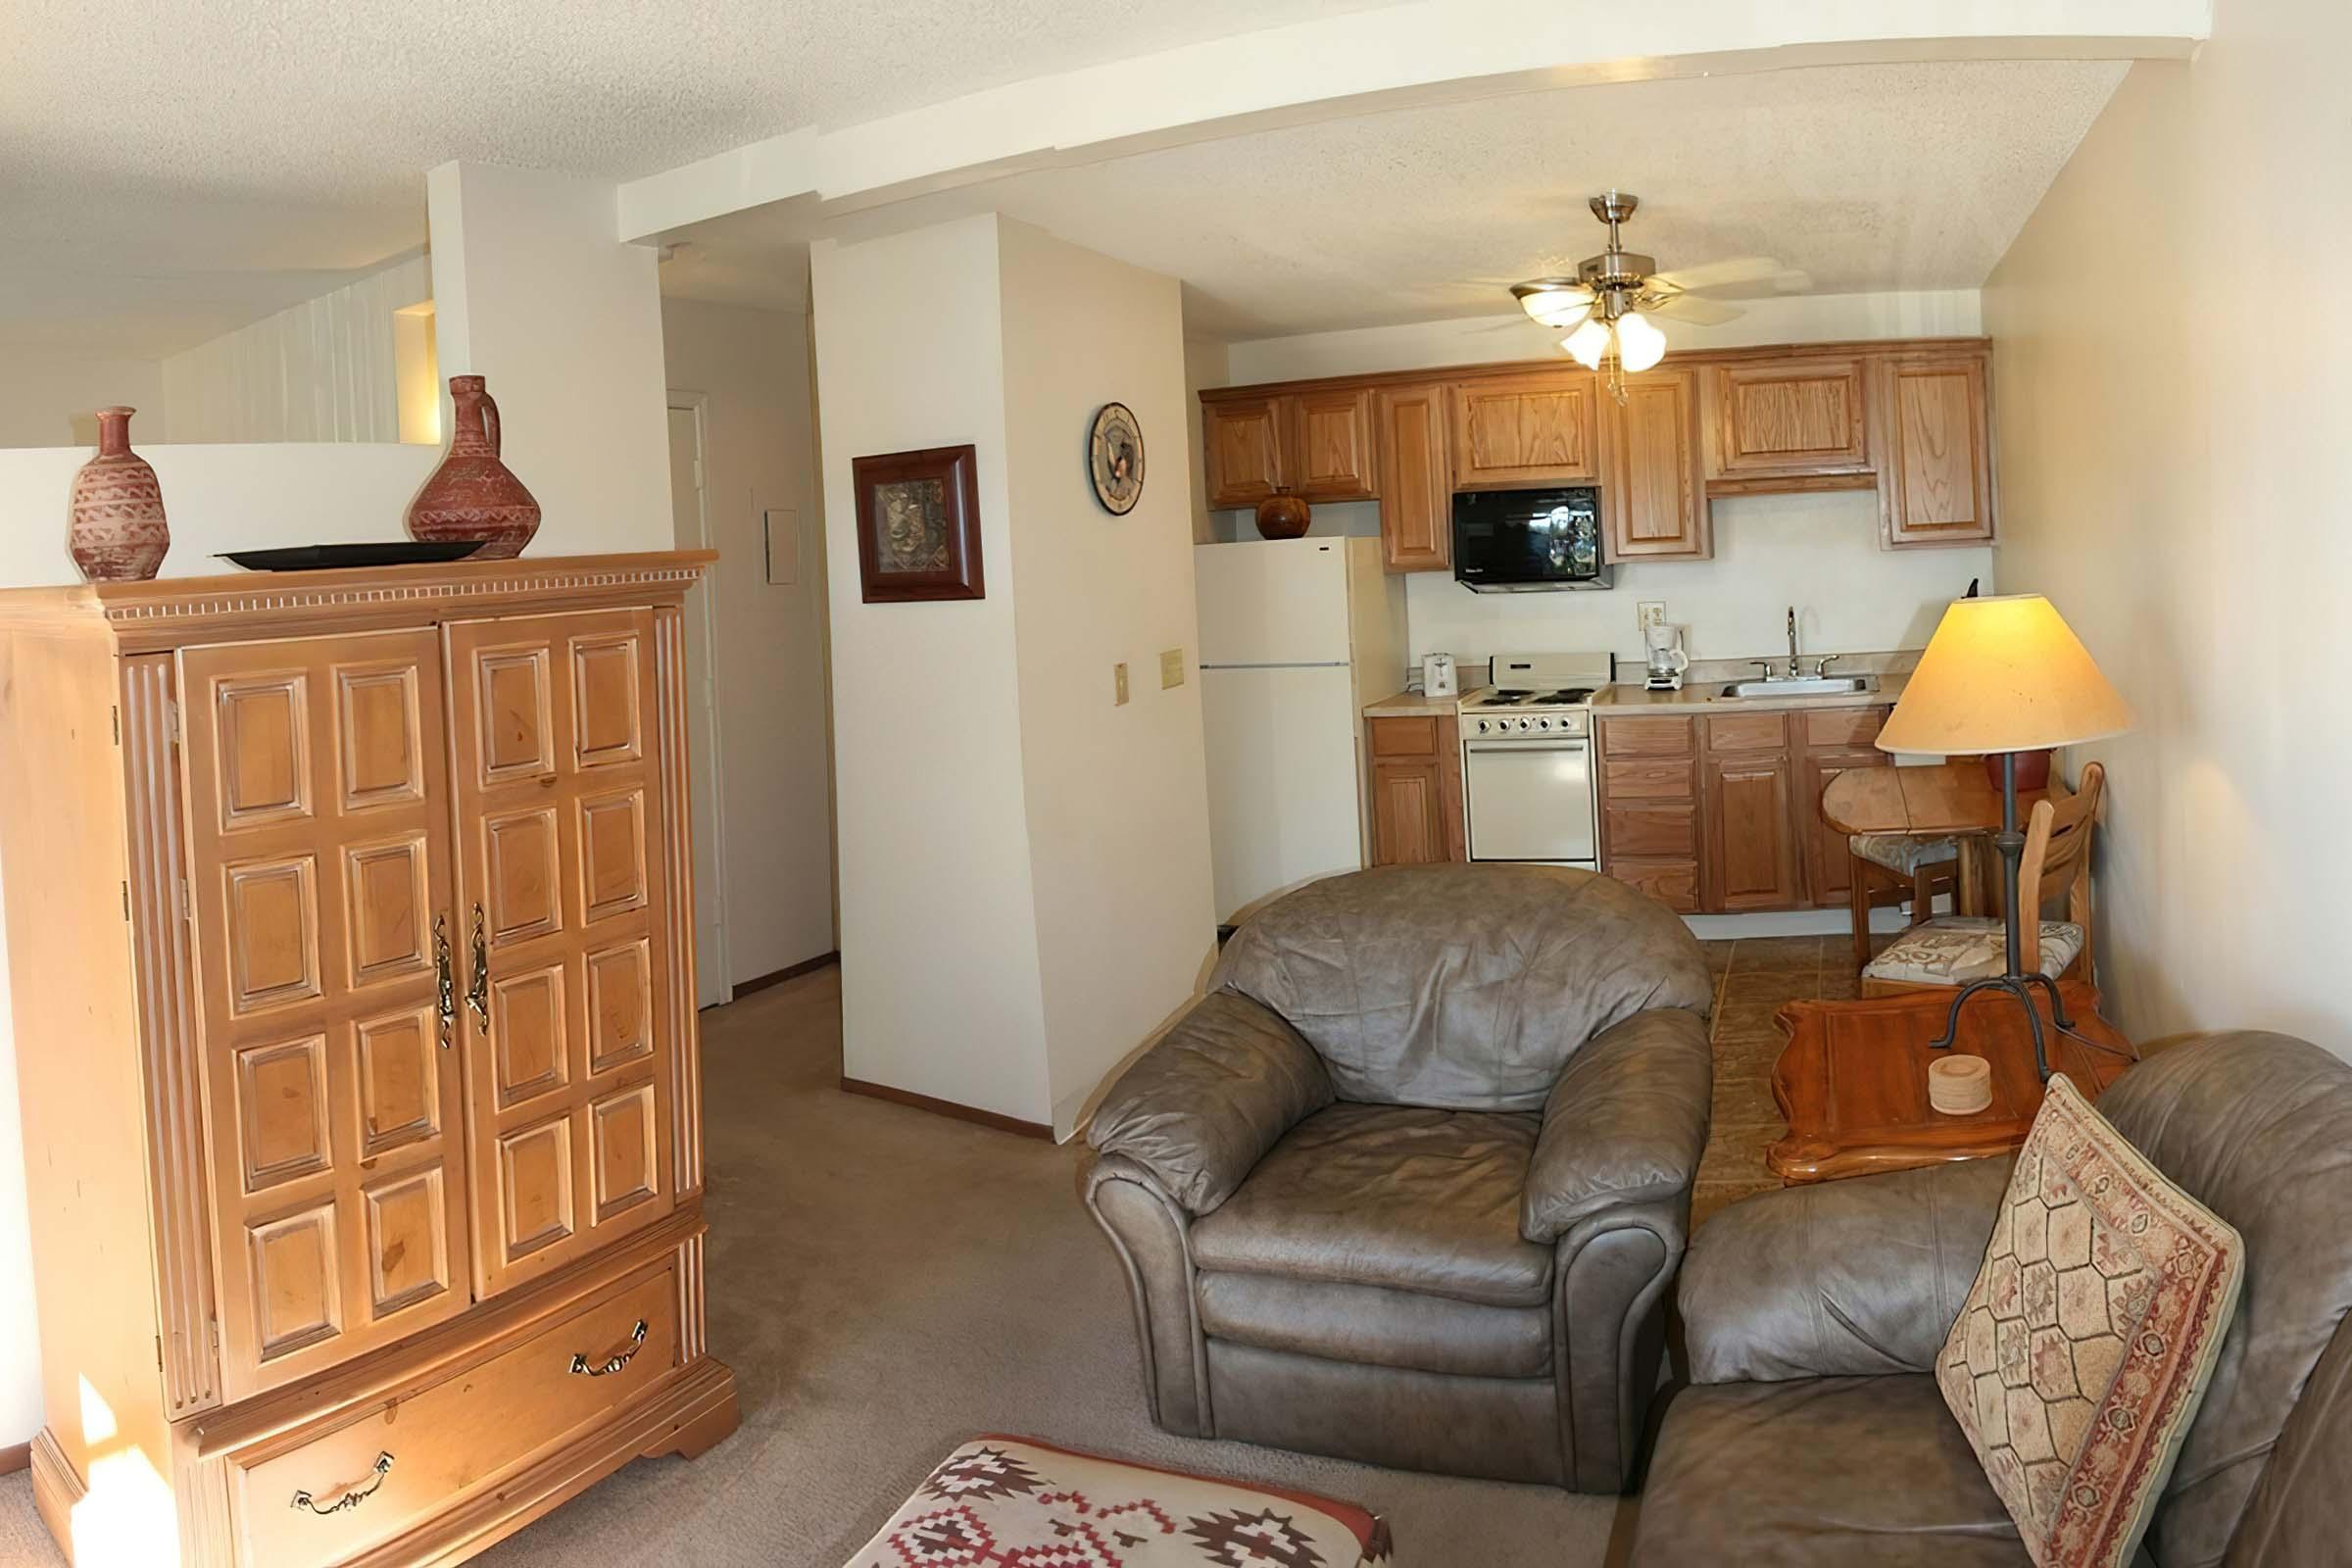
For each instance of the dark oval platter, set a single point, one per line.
(325, 558)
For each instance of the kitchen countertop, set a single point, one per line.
(1410, 705)
(1695, 699)
(1699, 699)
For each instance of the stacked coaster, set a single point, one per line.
(1959, 1086)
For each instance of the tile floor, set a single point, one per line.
(1753, 976)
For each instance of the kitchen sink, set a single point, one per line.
(1809, 686)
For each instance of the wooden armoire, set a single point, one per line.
(350, 943)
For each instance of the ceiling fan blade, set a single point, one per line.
(1723, 274)
(1695, 308)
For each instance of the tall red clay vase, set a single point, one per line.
(115, 519)
(473, 495)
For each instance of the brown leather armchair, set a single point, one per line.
(1814, 1433)
(1409, 1183)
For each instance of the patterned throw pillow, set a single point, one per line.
(1023, 1503)
(2082, 1352)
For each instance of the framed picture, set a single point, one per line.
(919, 526)
(1114, 459)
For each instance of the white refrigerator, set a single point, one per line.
(1297, 636)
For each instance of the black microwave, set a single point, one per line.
(1527, 541)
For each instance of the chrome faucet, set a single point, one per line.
(1792, 672)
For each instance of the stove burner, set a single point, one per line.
(1516, 696)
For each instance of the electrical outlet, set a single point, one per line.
(1650, 613)
(1118, 684)
(1171, 667)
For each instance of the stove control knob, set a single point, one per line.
(1481, 726)
(1523, 724)
(1542, 724)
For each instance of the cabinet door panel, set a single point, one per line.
(1416, 479)
(1751, 853)
(1333, 444)
(1792, 417)
(322, 863)
(556, 768)
(1936, 482)
(1243, 438)
(1513, 431)
(1407, 814)
(1829, 862)
(1655, 493)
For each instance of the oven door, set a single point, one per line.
(1530, 800)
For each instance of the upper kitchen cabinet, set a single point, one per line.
(1655, 495)
(1416, 478)
(1936, 469)
(1515, 431)
(1799, 423)
(1244, 437)
(1330, 457)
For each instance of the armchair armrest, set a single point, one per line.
(1625, 1123)
(1202, 1106)
(1839, 1278)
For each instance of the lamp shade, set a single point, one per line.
(2002, 674)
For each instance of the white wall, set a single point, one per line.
(1025, 866)
(50, 395)
(759, 451)
(2183, 497)
(531, 290)
(1816, 553)
(322, 371)
(1117, 796)
(939, 965)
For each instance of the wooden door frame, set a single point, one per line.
(722, 961)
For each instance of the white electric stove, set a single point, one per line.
(1527, 760)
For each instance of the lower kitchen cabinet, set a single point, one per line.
(1416, 773)
(1720, 814)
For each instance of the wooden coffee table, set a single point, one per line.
(1853, 1080)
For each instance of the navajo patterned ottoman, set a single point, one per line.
(1015, 1502)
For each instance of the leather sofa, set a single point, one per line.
(1813, 1432)
(1409, 1183)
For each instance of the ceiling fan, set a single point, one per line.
(1607, 308)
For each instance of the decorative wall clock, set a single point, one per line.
(1115, 457)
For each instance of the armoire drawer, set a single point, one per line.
(482, 1423)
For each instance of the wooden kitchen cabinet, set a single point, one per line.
(1243, 438)
(1416, 477)
(1834, 740)
(1747, 782)
(1936, 469)
(1648, 786)
(1655, 501)
(1518, 431)
(1416, 774)
(1329, 455)
(1799, 423)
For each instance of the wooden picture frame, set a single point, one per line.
(919, 526)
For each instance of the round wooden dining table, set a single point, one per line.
(1954, 797)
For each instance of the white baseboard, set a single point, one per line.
(1788, 923)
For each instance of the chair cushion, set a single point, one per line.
(1400, 1196)
(1904, 853)
(2082, 1352)
(1373, 1327)
(1952, 949)
(1819, 1473)
(1462, 986)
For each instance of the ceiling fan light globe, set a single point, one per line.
(1556, 307)
(1640, 345)
(1588, 343)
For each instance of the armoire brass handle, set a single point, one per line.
(445, 980)
(477, 990)
(611, 1364)
(352, 1495)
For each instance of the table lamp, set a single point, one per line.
(2005, 674)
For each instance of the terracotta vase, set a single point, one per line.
(1282, 514)
(473, 495)
(116, 527)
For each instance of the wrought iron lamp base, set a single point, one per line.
(2020, 986)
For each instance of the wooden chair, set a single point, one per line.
(1953, 949)
(1884, 868)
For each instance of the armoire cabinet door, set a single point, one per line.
(320, 833)
(562, 888)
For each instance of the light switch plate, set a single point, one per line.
(1118, 684)
(1650, 613)
(1171, 667)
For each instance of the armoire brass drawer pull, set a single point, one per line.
(352, 1497)
(477, 990)
(445, 981)
(611, 1363)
